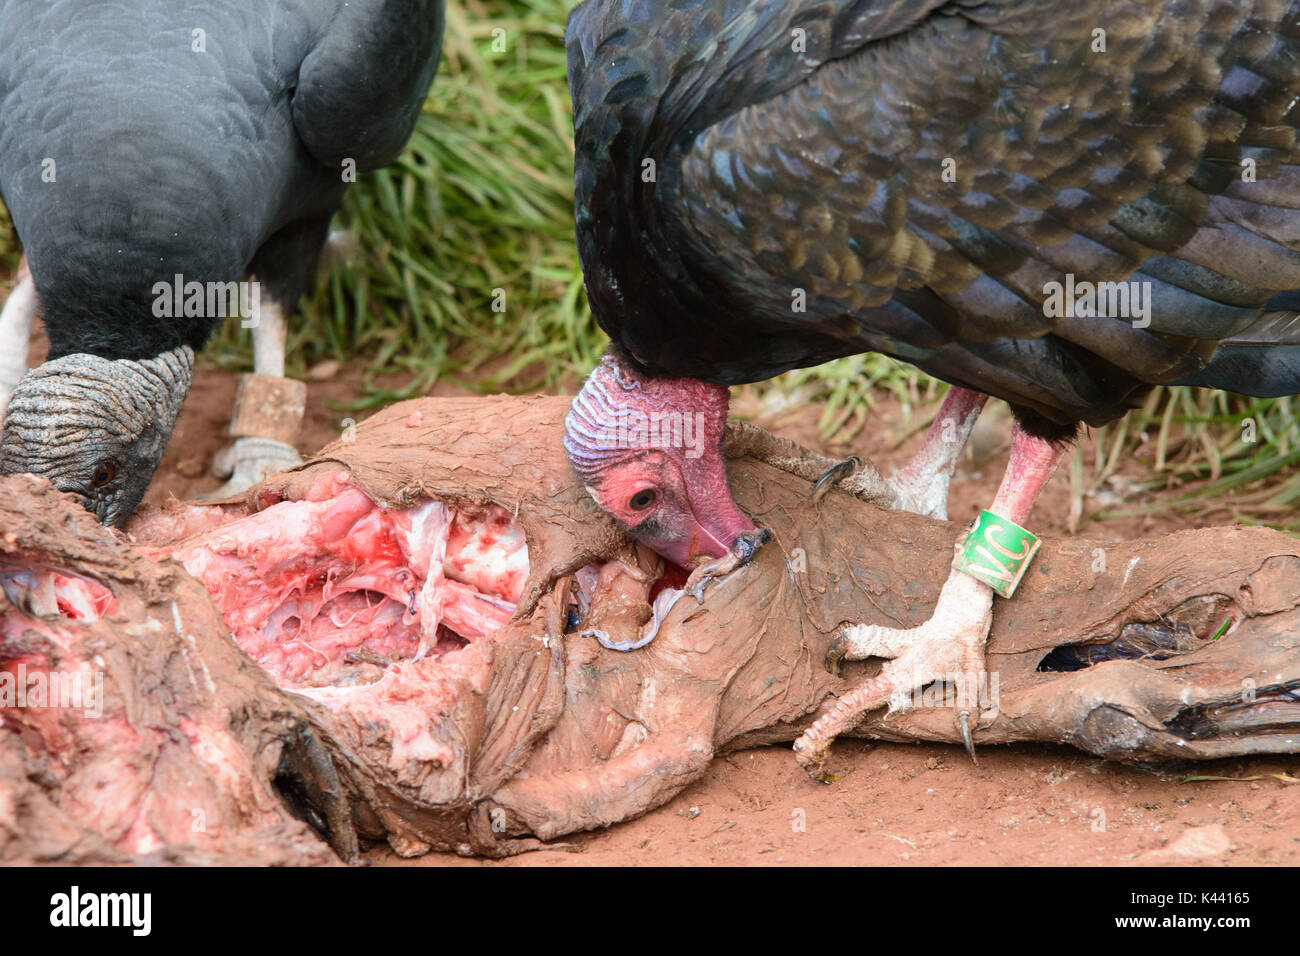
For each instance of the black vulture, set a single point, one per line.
(152, 152)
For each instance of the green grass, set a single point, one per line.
(482, 201)
(1209, 451)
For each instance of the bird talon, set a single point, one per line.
(963, 717)
(833, 475)
(813, 761)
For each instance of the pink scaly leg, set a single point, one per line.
(923, 482)
(950, 645)
(921, 486)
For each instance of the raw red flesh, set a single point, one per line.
(303, 584)
(488, 551)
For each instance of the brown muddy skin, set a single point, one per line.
(566, 735)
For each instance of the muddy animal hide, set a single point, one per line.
(465, 702)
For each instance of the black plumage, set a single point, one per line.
(733, 155)
(149, 138)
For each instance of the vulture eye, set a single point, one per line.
(104, 473)
(643, 499)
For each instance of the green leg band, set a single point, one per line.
(997, 552)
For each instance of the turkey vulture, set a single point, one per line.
(151, 153)
(1062, 205)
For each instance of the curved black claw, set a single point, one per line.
(833, 475)
(963, 716)
(836, 653)
(814, 764)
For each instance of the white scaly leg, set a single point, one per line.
(268, 412)
(269, 336)
(15, 331)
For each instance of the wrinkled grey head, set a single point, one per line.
(96, 427)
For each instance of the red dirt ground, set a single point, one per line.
(893, 804)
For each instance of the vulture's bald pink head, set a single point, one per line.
(649, 451)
